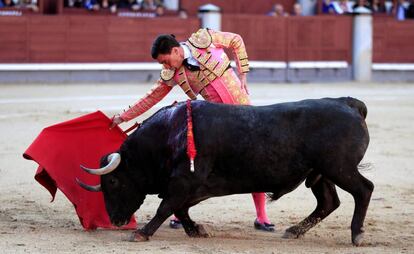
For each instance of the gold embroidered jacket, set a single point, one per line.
(207, 47)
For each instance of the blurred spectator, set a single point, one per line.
(159, 10)
(112, 4)
(87, 4)
(91, 5)
(106, 3)
(171, 5)
(74, 3)
(182, 13)
(336, 7)
(361, 3)
(327, 7)
(399, 10)
(344, 7)
(127, 4)
(134, 5)
(149, 4)
(277, 11)
(29, 4)
(410, 10)
(7, 3)
(297, 10)
(378, 6)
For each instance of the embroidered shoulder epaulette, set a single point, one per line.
(167, 74)
(201, 39)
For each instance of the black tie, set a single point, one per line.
(190, 67)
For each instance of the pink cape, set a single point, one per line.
(60, 150)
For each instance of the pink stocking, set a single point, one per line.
(260, 204)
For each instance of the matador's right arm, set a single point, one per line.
(156, 94)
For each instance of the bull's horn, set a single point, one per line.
(114, 160)
(94, 188)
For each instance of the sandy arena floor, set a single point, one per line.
(30, 223)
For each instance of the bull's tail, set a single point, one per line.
(356, 104)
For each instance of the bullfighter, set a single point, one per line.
(201, 67)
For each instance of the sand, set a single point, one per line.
(30, 223)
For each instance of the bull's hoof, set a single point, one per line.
(289, 235)
(202, 232)
(138, 236)
(358, 239)
(198, 231)
(292, 233)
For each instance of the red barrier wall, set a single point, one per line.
(107, 38)
(85, 38)
(265, 37)
(324, 38)
(393, 40)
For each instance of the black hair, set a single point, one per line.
(163, 45)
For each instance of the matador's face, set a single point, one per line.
(173, 60)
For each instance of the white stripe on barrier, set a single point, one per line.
(392, 67)
(81, 67)
(157, 67)
(264, 64)
(115, 66)
(318, 65)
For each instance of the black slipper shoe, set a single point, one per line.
(175, 224)
(264, 226)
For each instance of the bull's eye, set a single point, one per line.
(114, 182)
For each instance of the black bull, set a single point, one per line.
(240, 149)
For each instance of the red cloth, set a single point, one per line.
(191, 149)
(61, 149)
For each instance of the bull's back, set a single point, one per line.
(278, 134)
(277, 122)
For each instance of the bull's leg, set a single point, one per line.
(175, 199)
(191, 228)
(361, 190)
(328, 201)
(163, 212)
